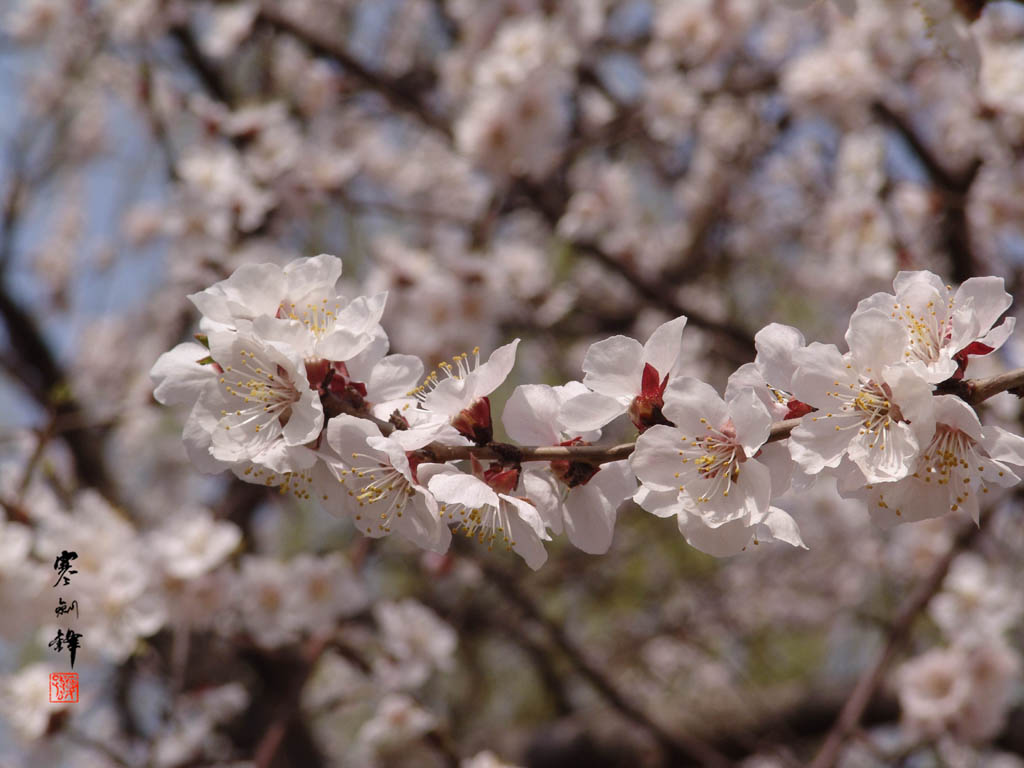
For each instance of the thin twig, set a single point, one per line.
(598, 454)
(973, 391)
(208, 75)
(663, 294)
(680, 748)
(871, 678)
(288, 707)
(411, 102)
(105, 749)
(952, 187)
(398, 94)
(40, 373)
(980, 390)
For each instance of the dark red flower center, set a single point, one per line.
(474, 422)
(645, 410)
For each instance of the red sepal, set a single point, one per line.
(974, 348)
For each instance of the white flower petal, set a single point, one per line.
(662, 348)
(752, 421)
(998, 335)
(913, 395)
(360, 367)
(907, 278)
(616, 481)
(818, 367)
(531, 415)
(348, 434)
(394, 377)
(590, 411)
(589, 519)
(885, 457)
(198, 432)
(613, 367)
(250, 291)
(775, 344)
(454, 487)
(780, 465)
(725, 540)
(694, 406)
(1004, 446)
(655, 460)
(310, 274)
(526, 532)
(750, 493)
(178, 376)
(290, 337)
(818, 442)
(951, 410)
(355, 327)
(659, 503)
(778, 525)
(875, 341)
(541, 488)
(492, 374)
(306, 420)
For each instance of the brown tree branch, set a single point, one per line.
(973, 391)
(979, 390)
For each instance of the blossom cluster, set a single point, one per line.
(290, 385)
(187, 577)
(562, 171)
(962, 692)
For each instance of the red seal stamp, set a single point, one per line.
(63, 687)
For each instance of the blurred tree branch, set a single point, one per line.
(33, 364)
(548, 198)
(914, 605)
(953, 190)
(680, 749)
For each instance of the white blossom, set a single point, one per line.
(26, 700)
(492, 515)
(416, 640)
(954, 471)
(625, 376)
(458, 397)
(871, 410)
(194, 544)
(398, 721)
(577, 497)
(323, 589)
(976, 601)
(383, 489)
(708, 461)
(961, 690)
(261, 409)
(943, 327)
(261, 598)
(303, 291)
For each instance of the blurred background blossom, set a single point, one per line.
(555, 171)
